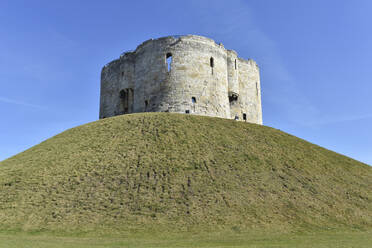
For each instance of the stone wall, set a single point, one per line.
(203, 78)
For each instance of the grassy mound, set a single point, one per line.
(173, 171)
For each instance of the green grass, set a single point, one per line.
(160, 173)
(215, 240)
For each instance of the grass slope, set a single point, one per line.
(160, 171)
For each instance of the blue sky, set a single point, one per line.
(315, 59)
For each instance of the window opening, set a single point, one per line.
(235, 64)
(123, 94)
(126, 101)
(244, 116)
(122, 74)
(169, 61)
(236, 117)
(211, 63)
(187, 111)
(146, 104)
(233, 97)
(193, 100)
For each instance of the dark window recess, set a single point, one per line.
(235, 64)
(193, 100)
(244, 116)
(146, 104)
(122, 74)
(187, 111)
(123, 94)
(126, 101)
(211, 63)
(233, 98)
(169, 61)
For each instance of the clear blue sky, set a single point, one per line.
(315, 59)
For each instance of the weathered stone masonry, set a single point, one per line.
(184, 74)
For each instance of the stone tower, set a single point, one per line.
(183, 74)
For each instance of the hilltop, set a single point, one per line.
(182, 172)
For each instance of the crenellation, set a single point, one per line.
(184, 74)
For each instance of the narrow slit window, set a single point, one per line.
(146, 104)
(211, 63)
(244, 116)
(122, 74)
(193, 99)
(235, 64)
(169, 61)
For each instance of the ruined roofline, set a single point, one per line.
(175, 37)
(249, 61)
(196, 38)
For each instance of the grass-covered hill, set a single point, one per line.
(174, 171)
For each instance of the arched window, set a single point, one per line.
(211, 63)
(126, 101)
(123, 94)
(168, 58)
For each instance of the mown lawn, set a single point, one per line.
(318, 240)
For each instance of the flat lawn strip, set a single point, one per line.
(216, 240)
